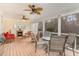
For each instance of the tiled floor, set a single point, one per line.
(23, 47)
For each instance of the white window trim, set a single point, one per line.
(43, 27)
(59, 26)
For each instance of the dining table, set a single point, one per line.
(46, 39)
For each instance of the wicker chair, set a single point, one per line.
(57, 44)
(70, 42)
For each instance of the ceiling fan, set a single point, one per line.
(34, 9)
(24, 18)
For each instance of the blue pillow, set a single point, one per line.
(1, 39)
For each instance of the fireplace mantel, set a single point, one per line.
(19, 32)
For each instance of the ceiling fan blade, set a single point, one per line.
(31, 12)
(39, 9)
(30, 6)
(38, 13)
(26, 18)
(28, 10)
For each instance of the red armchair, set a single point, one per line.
(9, 36)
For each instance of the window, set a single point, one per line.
(70, 24)
(40, 26)
(52, 25)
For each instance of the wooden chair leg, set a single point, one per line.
(60, 53)
(48, 53)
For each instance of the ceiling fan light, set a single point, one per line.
(23, 20)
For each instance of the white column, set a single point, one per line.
(34, 28)
(59, 26)
(43, 27)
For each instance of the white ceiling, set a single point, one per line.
(16, 10)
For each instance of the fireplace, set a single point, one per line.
(19, 33)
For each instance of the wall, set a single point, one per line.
(11, 24)
(0, 26)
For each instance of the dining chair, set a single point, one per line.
(39, 42)
(46, 33)
(70, 42)
(33, 38)
(56, 44)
